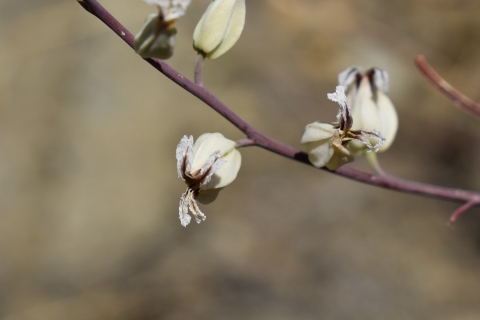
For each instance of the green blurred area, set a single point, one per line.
(89, 193)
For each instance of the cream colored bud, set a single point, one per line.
(371, 107)
(219, 28)
(206, 167)
(156, 39)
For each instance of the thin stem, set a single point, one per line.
(245, 143)
(197, 74)
(461, 100)
(372, 160)
(387, 182)
(461, 210)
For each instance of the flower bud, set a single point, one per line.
(328, 144)
(206, 167)
(157, 37)
(371, 107)
(324, 146)
(219, 28)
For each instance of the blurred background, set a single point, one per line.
(89, 192)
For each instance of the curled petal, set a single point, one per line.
(213, 163)
(184, 155)
(171, 9)
(339, 96)
(187, 201)
(227, 172)
(183, 207)
(343, 117)
(207, 144)
(366, 137)
(197, 214)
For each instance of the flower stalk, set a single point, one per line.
(387, 182)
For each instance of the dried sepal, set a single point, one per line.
(170, 9)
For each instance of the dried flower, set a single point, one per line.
(206, 167)
(327, 144)
(371, 107)
(157, 37)
(170, 10)
(219, 28)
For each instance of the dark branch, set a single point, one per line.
(461, 100)
(257, 138)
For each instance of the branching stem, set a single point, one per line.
(372, 159)
(461, 210)
(387, 182)
(245, 143)
(461, 100)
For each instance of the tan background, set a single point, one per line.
(88, 188)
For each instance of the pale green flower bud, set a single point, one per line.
(206, 167)
(219, 28)
(371, 107)
(157, 37)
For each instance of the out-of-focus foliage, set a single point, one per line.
(89, 190)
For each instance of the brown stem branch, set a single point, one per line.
(461, 100)
(387, 182)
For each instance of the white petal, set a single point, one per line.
(234, 30)
(213, 25)
(338, 159)
(184, 154)
(388, 119)
(320, 152)
(227, 173)
(372, 115)
(207, 144)
(365, 110)
(317, 131)
(213, 163)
